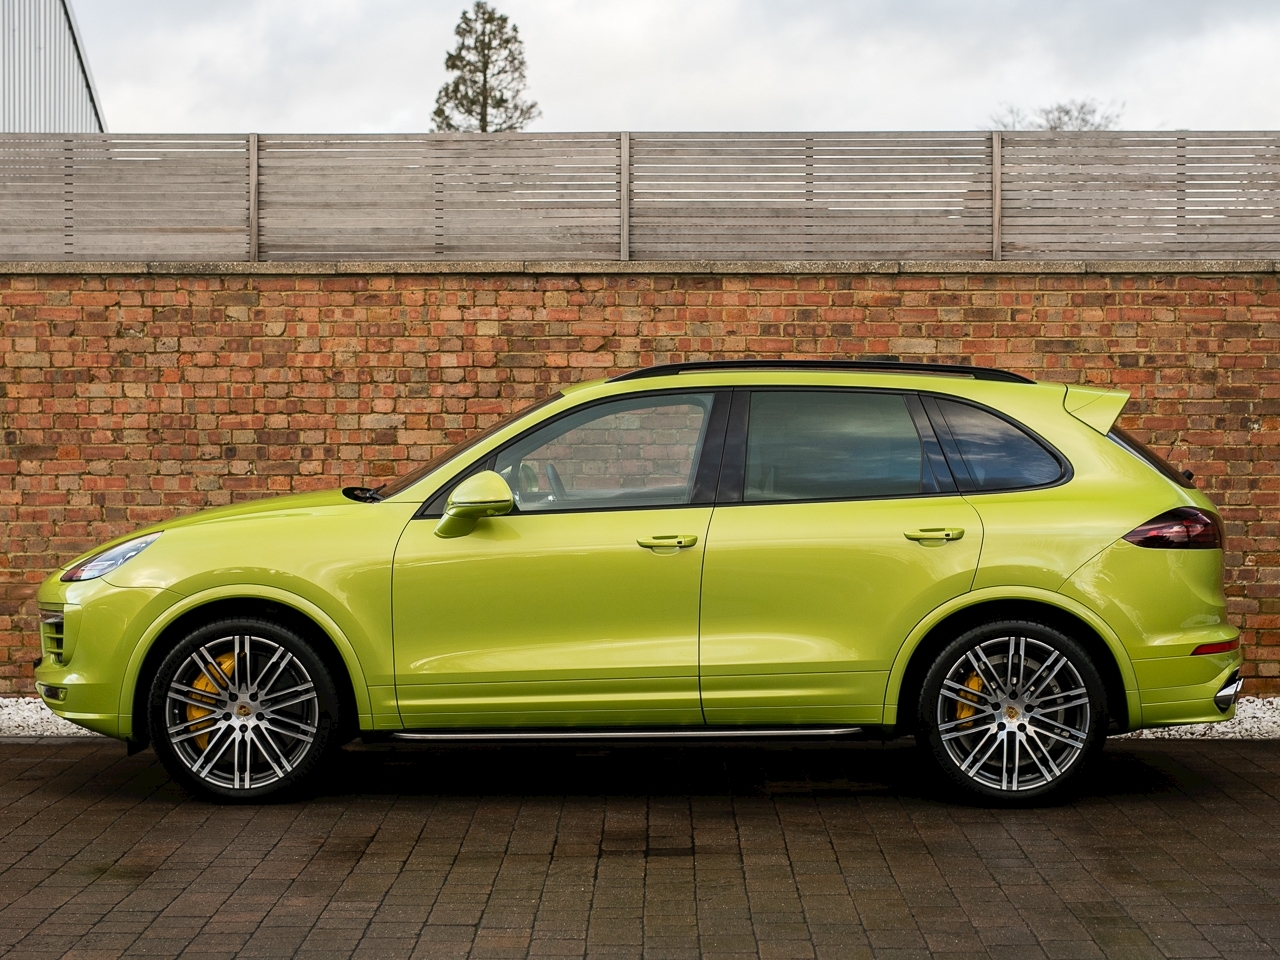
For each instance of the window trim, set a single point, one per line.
(705, 473)
(955, 459)
(733, 473)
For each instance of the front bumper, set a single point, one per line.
(88, 632)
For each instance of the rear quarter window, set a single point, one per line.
(996, 453)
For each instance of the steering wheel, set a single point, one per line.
(557, 485)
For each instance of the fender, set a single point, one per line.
(1036, 594)
(364, 708)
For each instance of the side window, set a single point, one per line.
(998, 455)
(831, 445)
(633, 452)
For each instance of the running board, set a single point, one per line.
(632, 734)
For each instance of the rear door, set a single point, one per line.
(837, 528)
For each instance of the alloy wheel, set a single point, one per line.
(241, 712)
(1014, 714)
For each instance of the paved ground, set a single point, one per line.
(747, 851)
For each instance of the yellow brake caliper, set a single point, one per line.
(226, 663)
(963, 710)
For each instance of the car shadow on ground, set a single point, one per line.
(850, 769)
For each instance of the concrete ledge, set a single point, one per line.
(703, 267)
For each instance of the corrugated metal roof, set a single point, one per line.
(45, 82)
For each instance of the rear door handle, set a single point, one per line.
(934, 533)
(669, 540)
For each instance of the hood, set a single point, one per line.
(290, 503)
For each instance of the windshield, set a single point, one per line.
(1143, 452)
(435, 463)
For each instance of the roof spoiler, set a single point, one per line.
(1099, 407)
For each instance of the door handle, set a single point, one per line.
(935, 533)
(669, 540)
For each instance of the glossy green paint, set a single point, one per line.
(799, 602)
(550, 620)
(784, 613)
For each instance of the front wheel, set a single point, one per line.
(242, 709)
(1012, 710)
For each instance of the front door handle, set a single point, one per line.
(935, 533)
(674, 540)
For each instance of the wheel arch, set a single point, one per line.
(289, 611)
(906, 678)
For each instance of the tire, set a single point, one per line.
(243, 709)
(1001, 743)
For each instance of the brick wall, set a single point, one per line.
(129, 397)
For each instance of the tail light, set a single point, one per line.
(1186, 528)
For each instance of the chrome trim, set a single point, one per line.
(1225, 697)
(52, 617)
(689, 734)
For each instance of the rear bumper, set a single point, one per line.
(1207, 702)
(1225, 698)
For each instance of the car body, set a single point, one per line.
(740, 548)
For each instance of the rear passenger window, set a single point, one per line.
(831, 445)
(998, 455)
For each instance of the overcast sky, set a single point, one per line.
(375, 65)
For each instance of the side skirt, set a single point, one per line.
(708, 733)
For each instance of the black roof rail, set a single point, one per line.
(885, 366)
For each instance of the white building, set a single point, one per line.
(45, 83)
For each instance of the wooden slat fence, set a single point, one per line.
(104, 197)
(1148, 195)
(653, 196)
(810, 196)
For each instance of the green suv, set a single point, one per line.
(719, 549)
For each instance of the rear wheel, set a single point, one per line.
(1012, 710)
(242, 709)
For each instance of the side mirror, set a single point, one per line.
(484, 495)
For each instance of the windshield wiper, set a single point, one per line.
(363, 494)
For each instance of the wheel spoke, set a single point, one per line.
(242, 761)
(206, 720)
(1010, 764)
(1058, 707)
(990, 675)
(304, 691)
(965, 733)
(193, 701)
(1032, 739)
(271, 752)
(1044, 700)
(1072, 736)
(962, 694)
(952, 724)
(283, 657)
(209, 757)
(206, 662)
(289, 726)
(995, 741)
(1053, 657)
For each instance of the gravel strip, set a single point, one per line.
(29, 717)
(1256, 719)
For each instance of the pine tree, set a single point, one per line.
(486, 92)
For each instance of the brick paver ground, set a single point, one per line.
(763, 851)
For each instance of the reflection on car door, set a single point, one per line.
(581, 606)
(838, 527)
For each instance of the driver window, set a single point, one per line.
(634, 452)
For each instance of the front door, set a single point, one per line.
(842, 532)
(580, 607)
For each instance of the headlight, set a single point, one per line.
(108, 560)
